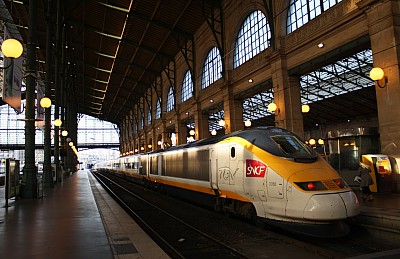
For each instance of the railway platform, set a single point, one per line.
(75, 219)
(78, 219)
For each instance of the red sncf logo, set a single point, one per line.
(255, 168)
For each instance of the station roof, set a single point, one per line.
(116, 49)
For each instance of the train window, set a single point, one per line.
(233, 152)
(291, 145)
(135, 165)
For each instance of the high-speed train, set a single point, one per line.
(261, 173)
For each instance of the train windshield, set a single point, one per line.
(290, 145)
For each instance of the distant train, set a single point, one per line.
(261, 173)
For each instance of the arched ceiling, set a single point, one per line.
(115, 49)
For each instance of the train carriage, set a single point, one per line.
(265, 173)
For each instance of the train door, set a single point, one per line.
(213, 169)
(227, 168)
(159, 164)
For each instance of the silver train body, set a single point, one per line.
(265, 172)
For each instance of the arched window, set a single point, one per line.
(170, 100)
(302, 11)
(212, 69)
(187, 86)
(158, 109)
(254, 36)
(141, 120)
(149, 116)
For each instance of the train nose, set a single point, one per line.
(334, 206)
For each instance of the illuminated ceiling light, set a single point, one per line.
(250, 80)
(99, 98)
(211, 100)
(45, 102)
(213, 132)
(305, 108)
(102, 70)
(100, 81)
(99, 90)
(71, 144)
(115, 7)
(321, 45)
(108, 35)
(64, 133)
(105, 55)
(247, 123)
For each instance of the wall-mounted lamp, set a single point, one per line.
(45, 102)
(64, 133)
(312, 142)
(305, 108)
(149, 146)
(71, 144)
(272, 107)
(213, 132)
(142, 148)
(11, 48)
(57, 122)
(247, 123)
(221, 123)
(136, 150)
(320, 141)
(378, 76)
(192, 132)
(158, 143)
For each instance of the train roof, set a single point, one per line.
(248, 134)
(277, 141)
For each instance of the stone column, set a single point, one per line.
(233, 112)
(286, 96)
(201, 122)
(182, 130)
(384, 26)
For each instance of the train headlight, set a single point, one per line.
(311, 186)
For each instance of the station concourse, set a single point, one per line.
(166, 74)
(90, 224)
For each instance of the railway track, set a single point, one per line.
(187, 231)
(175, 236)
